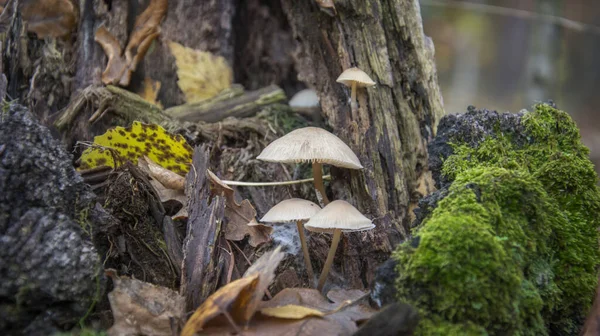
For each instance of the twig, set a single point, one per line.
(268, 184)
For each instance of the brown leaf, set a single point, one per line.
(241, 216)
(150, 91)
(146, 29)
(50, 18)
(339, 318)
(265, 266)
(167, 178)
(224, 301)
(140, 308)
(116, 66)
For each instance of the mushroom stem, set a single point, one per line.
(337, 233)
(269, 184)
(309, 270)
(318, 181)
(353, 102)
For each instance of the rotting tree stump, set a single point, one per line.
(395, 120)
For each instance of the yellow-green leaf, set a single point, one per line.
(291, 312)
(168, 150)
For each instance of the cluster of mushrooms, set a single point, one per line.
(318, 146)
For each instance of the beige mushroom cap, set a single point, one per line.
(306, 98)
(355, 75)
(339, 215)
(293, 209)
(311, 144)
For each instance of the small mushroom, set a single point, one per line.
(337, 217)
(306, 102)
(314, 145)
(355, 78)
(299, 211)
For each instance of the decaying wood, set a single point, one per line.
(203, 259)
(240, 107)
(395, 119)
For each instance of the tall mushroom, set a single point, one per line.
(355, 78)
(337, 217)
(314, 145)
(299, 211)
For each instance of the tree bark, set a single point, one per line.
(395, 119)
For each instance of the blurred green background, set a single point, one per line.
(505, 55)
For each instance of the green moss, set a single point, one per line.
(513, 248)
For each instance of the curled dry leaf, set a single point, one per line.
(115, 68)
(50, 18)
(201, 74)
(167, 178)
(241, 217)
(146, 29)
(291, 312)
(228, 300)
(236, 301)
(140, 308)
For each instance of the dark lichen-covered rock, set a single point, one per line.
(512, 248)
(49, 270)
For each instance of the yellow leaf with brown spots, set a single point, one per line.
(201, 74)
(168, 150)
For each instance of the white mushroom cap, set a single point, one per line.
(339, 215)
(311, 144)
(293, 209)
(355, 75)
(305, 99)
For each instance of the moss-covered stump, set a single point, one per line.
(511, 247)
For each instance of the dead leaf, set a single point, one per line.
(167, 178)
(150, 91)
(338, 318)
(241, 217)
(116, 66)
(265, 266)
(223, 301)
(140, 308)
(291, 312)
(146, 29)
(50, 18)
(201, 74)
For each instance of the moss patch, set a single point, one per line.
(513, 247)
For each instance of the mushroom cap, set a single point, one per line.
(293, 209)
(311, 144)
(339, 215)
(355, 75)
(305, 99)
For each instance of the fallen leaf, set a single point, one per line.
(201, 74)
(171, 195)
(146, 29)
(150, 91)
(140, 308)
(265, 266)
(116, 66)
(223, 301)
(338, 318)
(241, 217)
(168, 150)
(167, 178)
(291, 312)
(50, 18)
